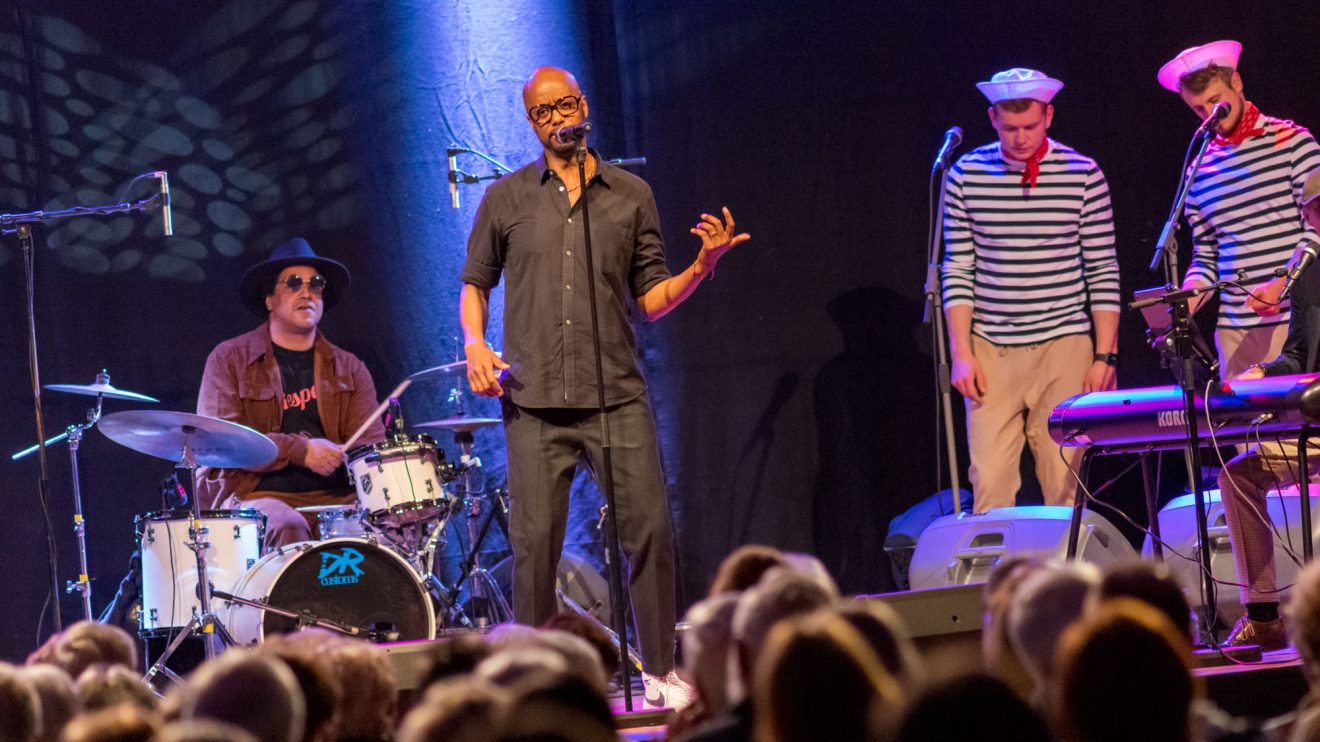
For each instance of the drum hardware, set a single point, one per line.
(191, 441)
(484, 592)
(101, 389)
(304, 618)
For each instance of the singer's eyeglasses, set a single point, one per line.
(294, 283)
(567, 106)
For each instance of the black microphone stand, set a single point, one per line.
(618, 593)
(934, 316)
(21, 225)
(1181, 339)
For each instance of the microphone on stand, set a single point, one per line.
(167, 220)
(453, 177)
(1220, 112)
(567, 134)
(1310, 250)
(952, 138)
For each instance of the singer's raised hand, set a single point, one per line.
(1264, 299)
(717, 237)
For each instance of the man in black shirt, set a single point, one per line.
(528, 230)
(286, 380)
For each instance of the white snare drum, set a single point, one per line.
(401, 481)
(349, 580)
(169, 568)
(341, 523)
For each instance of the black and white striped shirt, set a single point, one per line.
(1029, 260)
(1243, 212)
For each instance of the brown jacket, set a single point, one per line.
(242, 384)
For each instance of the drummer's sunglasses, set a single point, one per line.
(294, 283)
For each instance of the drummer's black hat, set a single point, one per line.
(259, 281)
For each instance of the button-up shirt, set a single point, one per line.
(242, 384)
(526, 231)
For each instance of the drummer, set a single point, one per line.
(285, 379)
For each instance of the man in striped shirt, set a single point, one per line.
(1029, 272)
(1242, 207)
(1245, 215)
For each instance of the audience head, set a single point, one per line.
(84, 644)
(58, 700)
(1124, 673)
(254, 691)
(1151, 583)
(20, 707)
(820, 680)
(455, 657)
(885, 634)
(1046, 603)
(370, 690)
(996, 649)
(744, 567)
(457, 709)
(706, 646)
(321, 688)
(102, 686)
(987, 710)
(781, 594)
(202, 730)
(557, 708)
(123, 723)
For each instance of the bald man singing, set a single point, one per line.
(528, 229)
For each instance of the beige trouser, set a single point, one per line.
(1241, 347)
(1024, 384)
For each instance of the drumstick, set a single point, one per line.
(375, 414)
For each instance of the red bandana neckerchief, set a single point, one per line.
(1033, 164)
(1246, 127)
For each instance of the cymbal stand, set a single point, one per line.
(203, 621)
(484, 590)
(73, 435)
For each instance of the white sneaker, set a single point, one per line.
(666, 691)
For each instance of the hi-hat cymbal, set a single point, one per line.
(462, 423)
(212, 441)
(456, 367)
(100, 389)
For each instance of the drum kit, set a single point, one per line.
(371, 575)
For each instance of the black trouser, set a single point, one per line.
(545, 447)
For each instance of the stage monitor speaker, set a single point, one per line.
(965, 549)
(1178, 530)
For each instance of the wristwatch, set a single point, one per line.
(1109, 358)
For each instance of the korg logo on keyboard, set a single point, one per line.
(1171, 419)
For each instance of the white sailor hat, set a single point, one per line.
(1020, 83)
(1223, 53)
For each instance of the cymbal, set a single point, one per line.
(455, 367)
(214, 442)
(100, 389)
(462, 423)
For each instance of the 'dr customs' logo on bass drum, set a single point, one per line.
(341, 568)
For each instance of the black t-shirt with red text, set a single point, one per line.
(300, 416)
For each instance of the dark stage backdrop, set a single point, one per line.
(794, 390)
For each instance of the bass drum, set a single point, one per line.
(348, 580)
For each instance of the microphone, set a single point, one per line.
(453, 177)
(166, 217)
(952, 138)
(566, 134)
(1310, 250)
(1219, 113)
